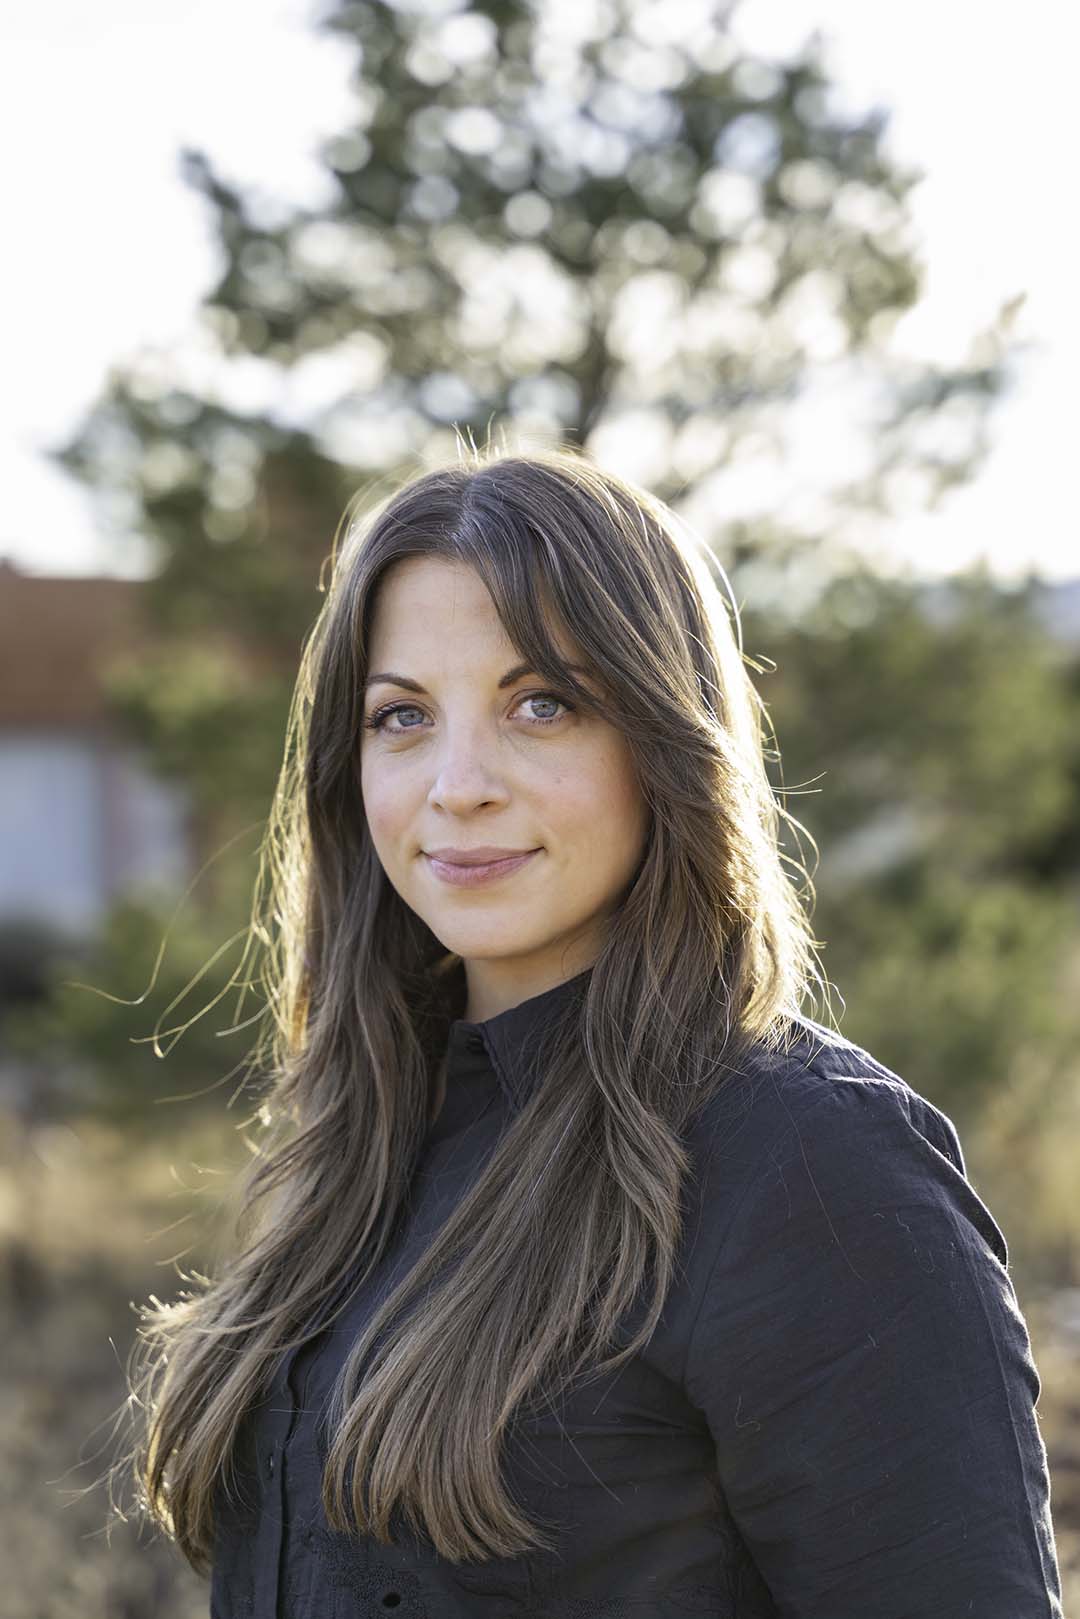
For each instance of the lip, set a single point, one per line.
(472, 875)
(481, 854)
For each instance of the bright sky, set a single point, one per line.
(109, 252)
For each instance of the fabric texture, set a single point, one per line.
(834, 1419)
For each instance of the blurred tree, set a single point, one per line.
(547, 216)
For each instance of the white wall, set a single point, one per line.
(81, 821)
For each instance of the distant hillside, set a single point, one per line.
(1056, 604)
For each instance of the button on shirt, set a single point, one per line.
(834, 1418)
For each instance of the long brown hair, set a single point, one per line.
(709, 950)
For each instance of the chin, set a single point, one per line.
(483, 946)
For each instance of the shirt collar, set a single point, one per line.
(512, 1040)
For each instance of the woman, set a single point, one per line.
(581, 1273)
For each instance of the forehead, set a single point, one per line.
(427, 604)
(431, 586)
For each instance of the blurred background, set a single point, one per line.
(801, 269)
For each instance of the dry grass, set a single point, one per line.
(82, 1218)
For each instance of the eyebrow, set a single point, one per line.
(519, 669)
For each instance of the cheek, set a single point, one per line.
(383, 806)
(602, 802)
(628, 818)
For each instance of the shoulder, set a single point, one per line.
(821, 1129)
(820, 1082)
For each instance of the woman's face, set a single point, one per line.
(467, 759)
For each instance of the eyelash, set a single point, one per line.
(375, 723)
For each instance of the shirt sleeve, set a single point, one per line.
(867, 1377)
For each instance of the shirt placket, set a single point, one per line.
(280, 1419)
(270, 1447)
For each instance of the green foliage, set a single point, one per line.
(960, 707)
(141, 1017)
(952, 981)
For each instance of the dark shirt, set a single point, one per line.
(834, 1418)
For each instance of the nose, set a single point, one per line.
(467, 776)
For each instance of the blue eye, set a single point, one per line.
(377, 720)
(545, 697)
(375, 723)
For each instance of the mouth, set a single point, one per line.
(459, 876)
